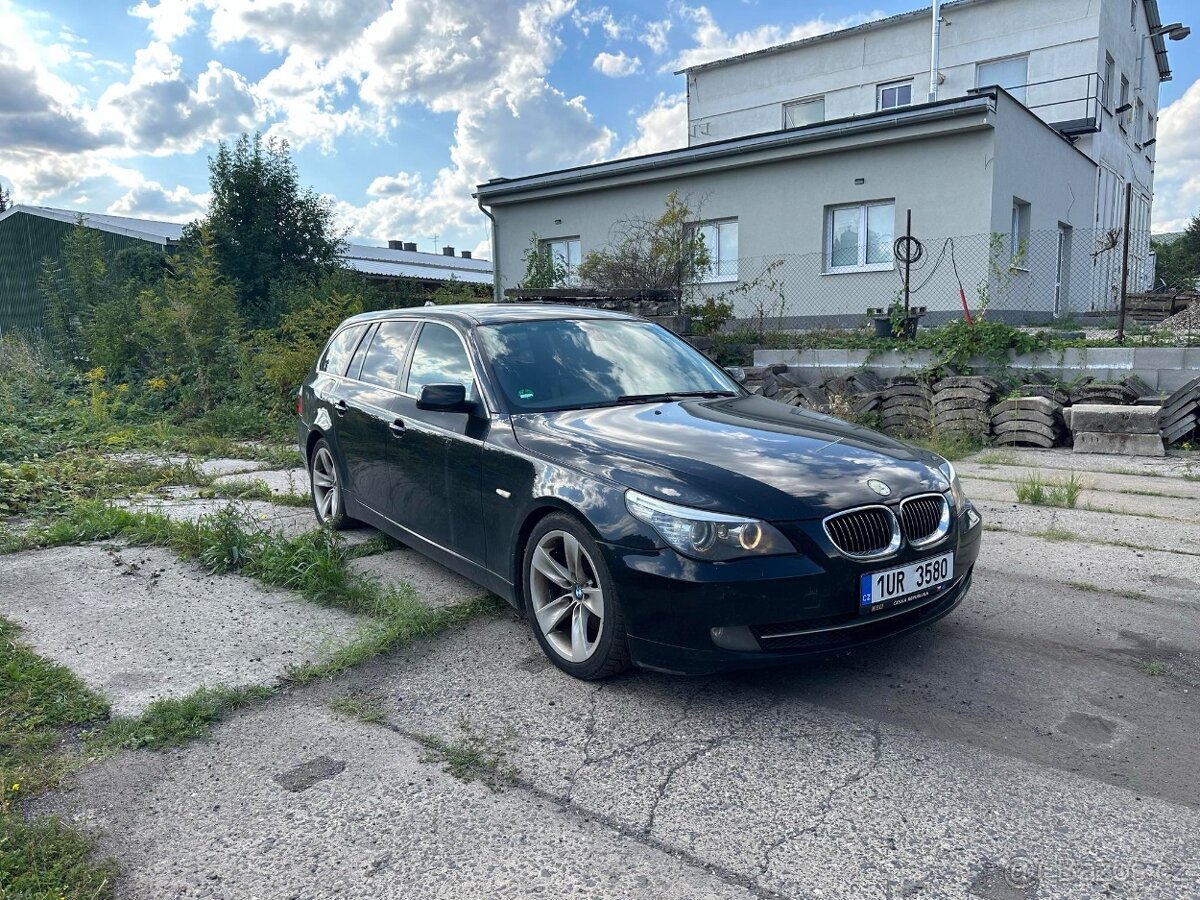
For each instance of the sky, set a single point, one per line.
(396, 110)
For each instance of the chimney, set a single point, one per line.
(411, 247)
(395, 245)
(466, 254)
(447, 251)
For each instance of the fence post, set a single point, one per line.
(1125, 265)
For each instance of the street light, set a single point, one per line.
(1176, 31)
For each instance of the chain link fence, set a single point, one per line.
(1040, 277)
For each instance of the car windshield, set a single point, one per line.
(576, 363)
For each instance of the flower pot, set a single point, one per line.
(907, 326)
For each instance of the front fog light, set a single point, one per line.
(734, 637)
(972, 518)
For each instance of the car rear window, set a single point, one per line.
(386, 356)
(340, 349)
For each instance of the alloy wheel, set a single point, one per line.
(567, 599)
(326, 491)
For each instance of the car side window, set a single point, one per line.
(340, 349)
(356, 361)
(439, 358)
(386, 356)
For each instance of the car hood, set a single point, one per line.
(744, 455)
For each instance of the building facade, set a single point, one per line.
(805, 160)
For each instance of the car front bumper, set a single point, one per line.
(689, 617)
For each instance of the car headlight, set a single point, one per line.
(956, 489)
(707, 535)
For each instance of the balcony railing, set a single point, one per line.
(1070, 105)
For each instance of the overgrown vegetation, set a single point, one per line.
(42, 707)
(470, 756)
(1032, 489)
(1178, 262)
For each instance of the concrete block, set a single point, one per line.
(1158, 357)
(768, 357)
(1119, 444)
(833, 358)
(1096, 417)
(1100, 358)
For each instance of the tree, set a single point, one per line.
(1178, 262)
(73, 290)
(264, 227)
(5, 199)
(542, 269)
(664, 253)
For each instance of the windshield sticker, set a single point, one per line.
(525, 393)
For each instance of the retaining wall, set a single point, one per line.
(1163, 368)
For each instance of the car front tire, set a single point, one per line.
(325, 488)
(571, 600)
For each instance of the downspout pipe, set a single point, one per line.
(496, 289)
(935, 50)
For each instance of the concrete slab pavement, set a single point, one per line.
(137, 624)
(434, 584)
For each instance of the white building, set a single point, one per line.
(806, 158)
(1074, 63)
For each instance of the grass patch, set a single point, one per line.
(364, 709)
(471, 756)
(950, 447)
(1152, 667)
(1055, 534)
(173, 722)
(1113, 592)
(996, 458)
(1034, 491)
(42, 705)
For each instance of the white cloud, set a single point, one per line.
(287, 25)
(661, 127)
(160, 110)
(616, 65)
(393, 185)
(655, 36)
(1177, 168)
(714, 43)
(150, 200)
(168, 20)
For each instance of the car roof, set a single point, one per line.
(494, 313)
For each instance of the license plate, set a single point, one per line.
(903, 584)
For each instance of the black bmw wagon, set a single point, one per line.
(625, 492)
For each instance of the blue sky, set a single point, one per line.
(396, 113)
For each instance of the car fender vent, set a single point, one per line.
(868, 532)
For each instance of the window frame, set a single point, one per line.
(862, 265)
(571, 279)
(799, 102)
(1110, 74)
(1002, 59)
(1123, 98)
(888, 85)
(714, 275)
(1021, 227)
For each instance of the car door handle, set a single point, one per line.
(340, 408)
(397, 428)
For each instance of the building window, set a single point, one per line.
(894, 94)
(1133, 13)
(859, 238)
(1019, 239)
(1106, 88)
(799, 113)
(1011, 73)
(1139, 118)
(1124, 101)
(566, 255)
(721, 241)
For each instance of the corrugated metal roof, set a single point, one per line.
(143, 229)
(359, 257)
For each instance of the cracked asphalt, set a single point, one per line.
(1040, 742)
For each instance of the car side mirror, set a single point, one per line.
(737, 373)
(444, 398)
